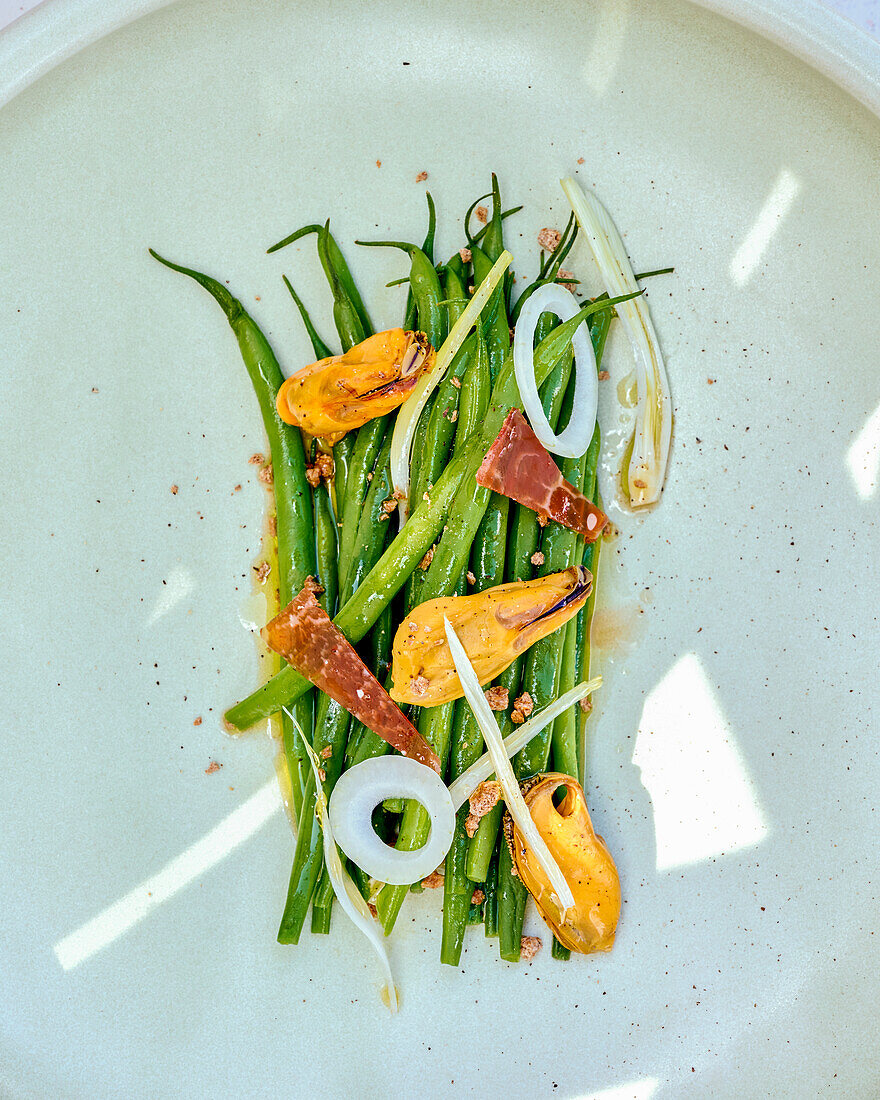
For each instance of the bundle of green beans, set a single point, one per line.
(459, 537)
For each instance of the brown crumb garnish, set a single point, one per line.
(569, 275)
(197, 721)
(480, 803)
(549, 239)
(273, 524)
(421, 177)
(262, 570)
(370, 905)
(710, 381)
(322, 775)
(389, 507)
(420, 685)
(537, 558)
(433, 880)
(257, 459)
(586, 705)
(497, 697)
(471, 579)
(427, 559)
(265, 475)
(321, 470)
(378, 165)
(640, 483)
(465, 254)
(326, 752)
(453, 416)
(482, 214)
(529, 946)
(456, 382)
(604, 375)
(174, 489)
(398, 494)
(523, 705)
(610, 531)
(477, 897)
(542, 520)
(236, 488)
(213, 767)
(94, 389)
(580, 160)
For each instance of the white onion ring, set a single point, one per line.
(573, 442)
(359, 791)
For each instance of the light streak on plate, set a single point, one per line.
(767, 224)
(200, 857)
(642, 1089)
(863, 457)
(703, 799)
(608, 24)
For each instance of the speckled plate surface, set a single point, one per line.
(732, 764)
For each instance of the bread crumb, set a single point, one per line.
(497, 697)
(433, 880)
(529, 946)
(482, 214)
(549, 239)
(213, 767)
(427, 559)
(466, 255)
(477, 897)
(710, 381)
(456, 382)
(378, 165)
(262, 570)
(197, 721)
(420, 685)
(586, 705)
(174, 490)
(523, 705)
(265, 475)
(580, 160)
(421, 177)
(537, 558)
(257, 459)
(570, 285)
(471, 579)
(480, 803)
(326, 752)
(604, 375)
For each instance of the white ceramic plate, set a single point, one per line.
(733, 768)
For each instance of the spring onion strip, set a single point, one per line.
(482, 769)
(348, 894)
(411, 409)
(504, 772)
(573, 441)
(653, 431)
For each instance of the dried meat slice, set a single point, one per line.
(518, 466)
(306, 638)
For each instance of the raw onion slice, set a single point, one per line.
(411, 409)
(516, 805)
(359, 791)
(647, 466)
(349, 896)
(574, 440)
(463, 787)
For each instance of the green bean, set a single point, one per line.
(591, 560)
(493, 242)
(490, 888)
(346, 315)
(368, 442)
(320, 349)
(416, 537)
(498, 335)
(479, 236)
(425, 283)
(560, 951)
(325, 549)
(487, 568)
(475, 389)
(332, 258)
(428, 249)
(342, 453)
(455, 288)
(373, 527)
(511, 907)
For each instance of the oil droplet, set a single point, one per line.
(617, 629)
(628, 391)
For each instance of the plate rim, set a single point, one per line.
(827, 41)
